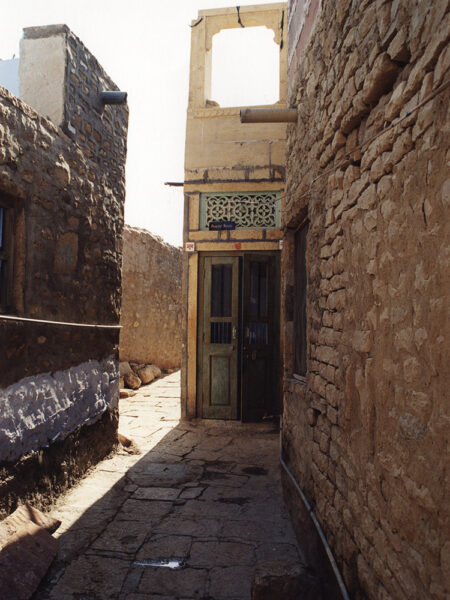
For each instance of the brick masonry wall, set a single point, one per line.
(367, 434)
(151, 300)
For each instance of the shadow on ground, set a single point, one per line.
(203, 494)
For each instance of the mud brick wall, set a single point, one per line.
(151, 300)
(367, 433)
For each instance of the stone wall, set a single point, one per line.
(366, 434)
(151, 300)
(101, 130)
(60, 304)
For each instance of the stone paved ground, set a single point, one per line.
(206, 493)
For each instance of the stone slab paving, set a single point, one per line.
(205, 494)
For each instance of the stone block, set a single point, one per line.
(429, 57)
(402, 146)
(442, 67)
(398, 49)
(146, 374)
(380, 167)
(380, 79)
(352, 173)
(31, 547)
(248, 234)
(132, 381)
(124, 369)
(352, 63)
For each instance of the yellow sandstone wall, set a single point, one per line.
(367, 434)
(223, 155)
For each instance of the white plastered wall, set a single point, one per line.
(39, 410)
(42, 75)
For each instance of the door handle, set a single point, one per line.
(233, 333)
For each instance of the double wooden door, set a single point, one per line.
(238, 374)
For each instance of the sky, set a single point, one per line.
(144, 46)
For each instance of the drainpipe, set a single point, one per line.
(319, 529)
(268, 115)
(113, 97)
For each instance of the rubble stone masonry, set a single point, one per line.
(101, 130)
(59, 382)
(151, 300)
(366, 434)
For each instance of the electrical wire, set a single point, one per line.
(28, 319)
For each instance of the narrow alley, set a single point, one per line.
(224, 291)
(204, 497)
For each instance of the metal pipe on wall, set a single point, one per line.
(113, 97)
(319, 529)
(268, 115)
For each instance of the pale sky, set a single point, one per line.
(144, 45)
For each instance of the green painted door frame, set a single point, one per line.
(238, 371)
(219, 337)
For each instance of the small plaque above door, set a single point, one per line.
(222, 225)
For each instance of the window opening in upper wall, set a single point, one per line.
(245, 68)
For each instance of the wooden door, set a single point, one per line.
(219, 337)
(260, 344)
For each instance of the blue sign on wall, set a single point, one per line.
(221, 225)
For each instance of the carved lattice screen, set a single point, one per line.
(248, 210)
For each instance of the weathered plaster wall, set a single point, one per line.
(367, 434)
(65, 266)
(151, 300)
(53, 405)
(42, 72)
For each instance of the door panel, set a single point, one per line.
(219, 368)
(219, 338)
(260, 344)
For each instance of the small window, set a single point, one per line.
(5, 255)
(300, 301)
(258, 289)
(221, 290)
